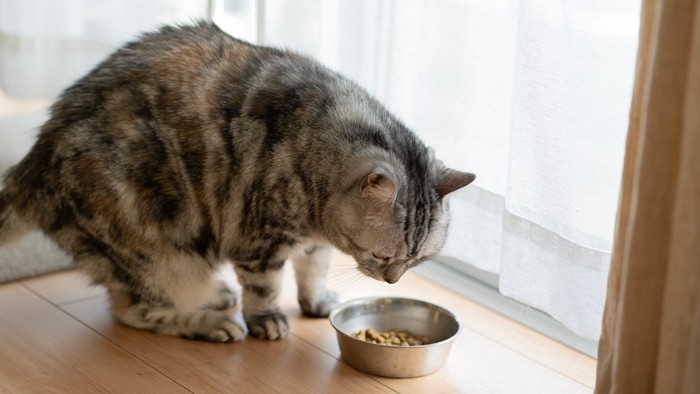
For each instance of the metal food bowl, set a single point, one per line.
(389, 313)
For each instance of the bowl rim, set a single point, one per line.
(338, 308)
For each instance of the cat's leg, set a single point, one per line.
(167, 300)
(262, 282)
(311, 268)
(221, 294)
(158, 314)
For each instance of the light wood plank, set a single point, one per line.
(290, 365)
(45, 350)
(63, 287)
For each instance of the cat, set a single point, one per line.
(187, 148)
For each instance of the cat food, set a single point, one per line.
(392, 337)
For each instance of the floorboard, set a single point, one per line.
(44, 349)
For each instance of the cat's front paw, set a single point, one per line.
(272, 325)
(204, 325)
(320, 306)
(228, 331)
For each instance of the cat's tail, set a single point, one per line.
(12, 226)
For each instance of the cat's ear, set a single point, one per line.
(452, 180)
(379, 187)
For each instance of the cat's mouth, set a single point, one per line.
(370, 269)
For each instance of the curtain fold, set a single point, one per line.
(46, 45)
(651, 325)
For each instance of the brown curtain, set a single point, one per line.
(651, 326)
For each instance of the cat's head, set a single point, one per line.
(391, 219)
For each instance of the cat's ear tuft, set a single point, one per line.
(453, 180)
(379, 187)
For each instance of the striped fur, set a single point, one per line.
(188, 148)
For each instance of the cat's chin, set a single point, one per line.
(370, 274)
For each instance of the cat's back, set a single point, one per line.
(176, 84)
(166, 70)
(145, 124)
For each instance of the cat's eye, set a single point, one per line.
(382, 258)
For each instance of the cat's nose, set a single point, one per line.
(393, 272)
(391, 280)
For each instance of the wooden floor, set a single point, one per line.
(56, 335)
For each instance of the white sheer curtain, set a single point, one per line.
(532, 96)
(45, 45)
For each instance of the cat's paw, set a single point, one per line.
(209, 326)
(272, 325)
(228, 331)
(319, 307)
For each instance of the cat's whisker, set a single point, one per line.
(351, 281)
(337, 274)
(339, 278)
(344, 270)
(342, 267)
(359, 279)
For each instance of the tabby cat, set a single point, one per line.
(188, 148)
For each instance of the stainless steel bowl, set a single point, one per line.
(387, 313)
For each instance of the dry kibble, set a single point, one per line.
(372, 334)
(392, 337)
